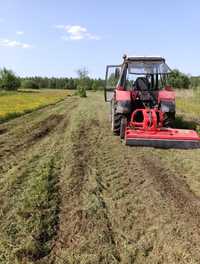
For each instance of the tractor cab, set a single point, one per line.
(139, 83)
(144, 75)
(146, 71)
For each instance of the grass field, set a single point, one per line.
(13, 104)
(188, 103)
(70, 192)
(188, 109)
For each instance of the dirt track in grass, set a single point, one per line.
(72, 193)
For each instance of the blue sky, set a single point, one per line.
(55, 38)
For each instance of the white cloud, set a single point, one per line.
(14, 44)
(20, 32)
(76, 32)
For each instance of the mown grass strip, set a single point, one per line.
(29, 215)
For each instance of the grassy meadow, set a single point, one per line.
(188, 103)
(13, 104)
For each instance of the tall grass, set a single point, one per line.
(14, 104)
(188, 102)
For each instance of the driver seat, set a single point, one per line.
(141, 84)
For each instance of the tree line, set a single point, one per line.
(9, 81)
(60, 83)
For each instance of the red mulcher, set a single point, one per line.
(143, 105)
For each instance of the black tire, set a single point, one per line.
(123, 127)
(169, 119)
(115, 120)
(116, 124)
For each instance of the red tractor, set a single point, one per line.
(143, 105)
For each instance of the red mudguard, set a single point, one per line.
(123, 95)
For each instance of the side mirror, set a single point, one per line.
(117, 73)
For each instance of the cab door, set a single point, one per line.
(111, 80)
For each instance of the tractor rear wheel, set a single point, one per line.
(123, 127)
(116, 123)
(169, 119)
(115, 120)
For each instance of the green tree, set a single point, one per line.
(29, 84)
(185, 81)
(82, 82)
(94, 85)
(8, 80)
(52, 83)
(179, 80)
(71, 84)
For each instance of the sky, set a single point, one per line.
(57, 37)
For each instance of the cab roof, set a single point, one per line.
(143, 58)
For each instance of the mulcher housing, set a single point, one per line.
(143, 105)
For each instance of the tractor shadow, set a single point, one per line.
(181, 123)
